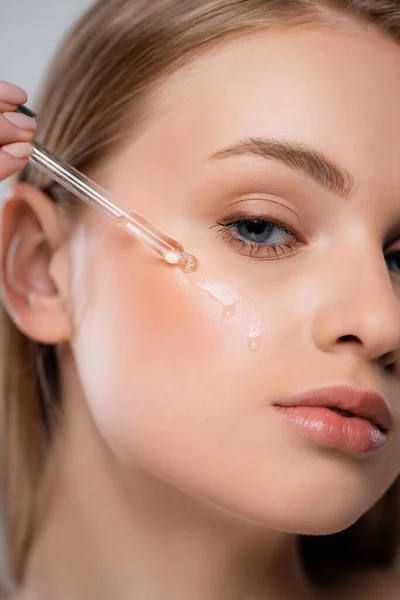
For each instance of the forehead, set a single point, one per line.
(335, 87)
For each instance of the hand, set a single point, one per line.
(16, 131)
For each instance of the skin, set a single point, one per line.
(172, 470)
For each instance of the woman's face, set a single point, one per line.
(181, 371)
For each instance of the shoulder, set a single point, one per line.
(368, 584)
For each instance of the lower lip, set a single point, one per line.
(327, 428)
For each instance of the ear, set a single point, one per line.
(31, 273)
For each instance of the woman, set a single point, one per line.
(233, 433)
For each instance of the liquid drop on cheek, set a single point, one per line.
(229, 311)
(222, 294)
(256, 327)
(254, 343)
(229, 300)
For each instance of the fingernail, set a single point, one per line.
(19, 149)
(21, 121)
(12, 93)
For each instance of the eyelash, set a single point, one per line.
(253, 249)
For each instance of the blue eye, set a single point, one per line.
(259, 238)
(393, 262)
(262, 232)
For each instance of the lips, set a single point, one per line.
(345, 400)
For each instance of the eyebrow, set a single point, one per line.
(301, 158)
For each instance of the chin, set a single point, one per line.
(327, 521)
(313, 505)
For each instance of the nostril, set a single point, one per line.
(389, 360)
(349, 338)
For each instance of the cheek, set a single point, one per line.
(158, 363)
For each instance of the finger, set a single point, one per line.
(7, 106)
(11, 96)
(13, 158)
(15, 127)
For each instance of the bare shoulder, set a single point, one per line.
(371, 584)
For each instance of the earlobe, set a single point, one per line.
(31, 236)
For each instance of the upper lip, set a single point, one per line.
(362, 403)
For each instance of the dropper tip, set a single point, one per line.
(188, 263)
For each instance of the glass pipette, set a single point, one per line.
(94, 195)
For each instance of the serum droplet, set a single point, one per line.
(254, 343)
(229, 311)
(188, 263)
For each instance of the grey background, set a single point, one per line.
(30, 31)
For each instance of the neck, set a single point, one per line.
(106, 533)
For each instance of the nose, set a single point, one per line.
(359, 311)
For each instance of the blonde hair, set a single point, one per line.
(103, 73)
